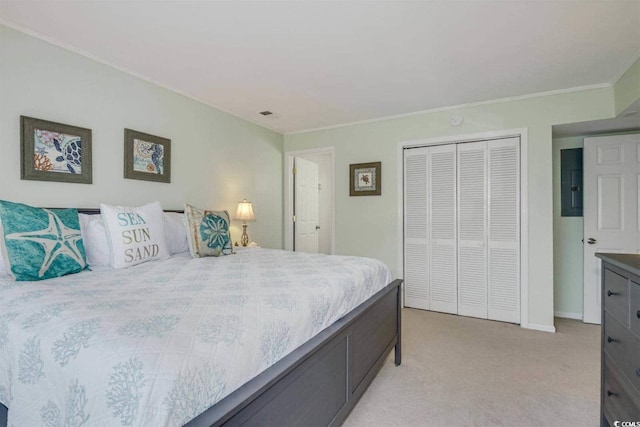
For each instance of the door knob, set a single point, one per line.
(317, 227)
(591, 240)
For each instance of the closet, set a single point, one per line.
(462, 228)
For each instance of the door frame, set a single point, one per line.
(522, 133)
(288, 193)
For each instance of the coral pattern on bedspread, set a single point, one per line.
(159, 343)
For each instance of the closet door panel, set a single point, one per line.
(504, 230)
(416, 242)
(472, 229)
(442, 229)
(462, 229)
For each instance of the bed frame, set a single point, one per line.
(320, 382)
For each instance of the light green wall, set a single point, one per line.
(217, 159)
(567, 244)
(368, 226)
(627, 88)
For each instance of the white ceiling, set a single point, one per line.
(324, 63)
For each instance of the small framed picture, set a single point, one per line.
(51, 151)
(365, 179)
(146, 157)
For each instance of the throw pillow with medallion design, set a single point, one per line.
(208, 232)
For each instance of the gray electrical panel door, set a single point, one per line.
(571, 181)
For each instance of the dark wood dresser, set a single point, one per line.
(620, 387)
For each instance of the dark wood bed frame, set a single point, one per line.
(320, 382)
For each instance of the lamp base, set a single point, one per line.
(244, 240)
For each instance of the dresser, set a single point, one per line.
(620, 357)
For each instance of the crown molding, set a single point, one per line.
(458, 107)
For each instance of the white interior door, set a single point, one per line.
(489, 229)
(430, 228)
(306, 207)
(611, 175)
(462, 228)
(472, 229)
(417, 286)
(503, 267)
(325, 198)
(442, 229)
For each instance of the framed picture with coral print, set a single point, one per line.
(146, 157)
(365, 179)
(51, 151)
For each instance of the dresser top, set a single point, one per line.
(629, 262)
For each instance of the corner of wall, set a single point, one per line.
(542, 328)
(627, 89)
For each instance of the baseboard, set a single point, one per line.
(565, 315)
(536, 327)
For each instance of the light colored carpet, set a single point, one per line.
(459, 371)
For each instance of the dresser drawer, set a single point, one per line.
(620, 401)
(616, 295)
(623, 347)
(634, 321)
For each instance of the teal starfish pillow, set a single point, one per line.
(39, 243)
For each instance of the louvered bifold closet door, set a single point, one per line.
(442, 229)
(472, 229)
(504, 230)
(416, 244)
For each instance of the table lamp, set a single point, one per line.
(244, 213)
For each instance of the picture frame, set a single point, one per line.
(146, 157)
(365, 179)
(51, 151)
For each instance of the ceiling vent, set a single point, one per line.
(269, 115)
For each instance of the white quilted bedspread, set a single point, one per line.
(157, 344)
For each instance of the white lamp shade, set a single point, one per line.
(245, 211)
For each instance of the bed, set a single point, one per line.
(254, 343)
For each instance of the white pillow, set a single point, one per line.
(135, 234)
(176, 232)
(94, 238)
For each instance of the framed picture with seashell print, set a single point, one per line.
(51, 151)
(365, 179)
(146, 157)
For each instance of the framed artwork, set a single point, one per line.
(365, 179)
(146, 157)
(52, 151)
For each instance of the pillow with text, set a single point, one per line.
(135, 234)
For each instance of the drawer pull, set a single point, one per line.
(609, 293)
(610, 393)
(610, 340)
